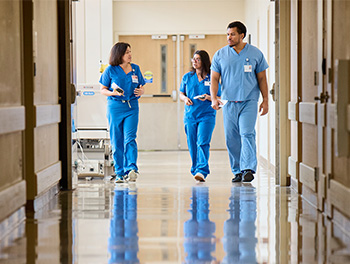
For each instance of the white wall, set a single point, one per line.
(94, 29)
(260, 22)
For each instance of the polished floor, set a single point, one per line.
(166, 217)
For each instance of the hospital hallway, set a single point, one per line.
(166, 217)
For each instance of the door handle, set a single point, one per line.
(73, 93)
(323, 97)
(273, 92)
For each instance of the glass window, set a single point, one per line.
(193, 48)
(164, 68)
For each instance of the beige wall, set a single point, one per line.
(100, 22)
(175, 17)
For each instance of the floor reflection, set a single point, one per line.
(123, 244)
(199, 240)
(167, 218)
(239, 230)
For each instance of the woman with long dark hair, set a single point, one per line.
(199, 116)
(122, 82)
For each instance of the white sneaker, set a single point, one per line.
(199, 177)
(132, 176)
(119, 179)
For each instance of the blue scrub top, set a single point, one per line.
(191, 87)
(238, 84)
(128, 82)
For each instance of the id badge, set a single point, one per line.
(247, 68)
(135, 79)
(207, 83)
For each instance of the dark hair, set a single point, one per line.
(205, 59)
(240, 27)
(117, 52)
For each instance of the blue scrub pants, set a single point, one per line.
(239, 126)
(123, 119)
(123, 243)
(199, 230)
(239, 239)
(198, 140)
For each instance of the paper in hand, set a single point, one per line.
(223, 102)
(202, 96)
(117, 88)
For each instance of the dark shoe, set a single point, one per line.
(237, 178)
(248, 176)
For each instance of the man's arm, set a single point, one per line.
(214, 87)
(264, 106)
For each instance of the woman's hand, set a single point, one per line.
(139, 91)
(115, 92)
(188, 101)
(105, 91)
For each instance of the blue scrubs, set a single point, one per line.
(199, 121)
(123, 243)
(240, 87)
(199, 238)
(123, 116)
(240, 238)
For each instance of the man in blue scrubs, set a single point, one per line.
(242, 69)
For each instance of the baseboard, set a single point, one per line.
(43, 200)
(295, 185)
(264, 163)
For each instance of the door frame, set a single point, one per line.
(282, 79)
(66, 90)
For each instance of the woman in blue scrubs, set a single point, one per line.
(123, 82)
(199, 117)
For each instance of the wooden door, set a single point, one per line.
(158, 111)
(156, 57)
(12, 116)
(43, 167)
(209, 43)
(310, 110)
(338, 114)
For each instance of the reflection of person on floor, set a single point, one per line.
(199, 230)
(123, 241)
(239, 230)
